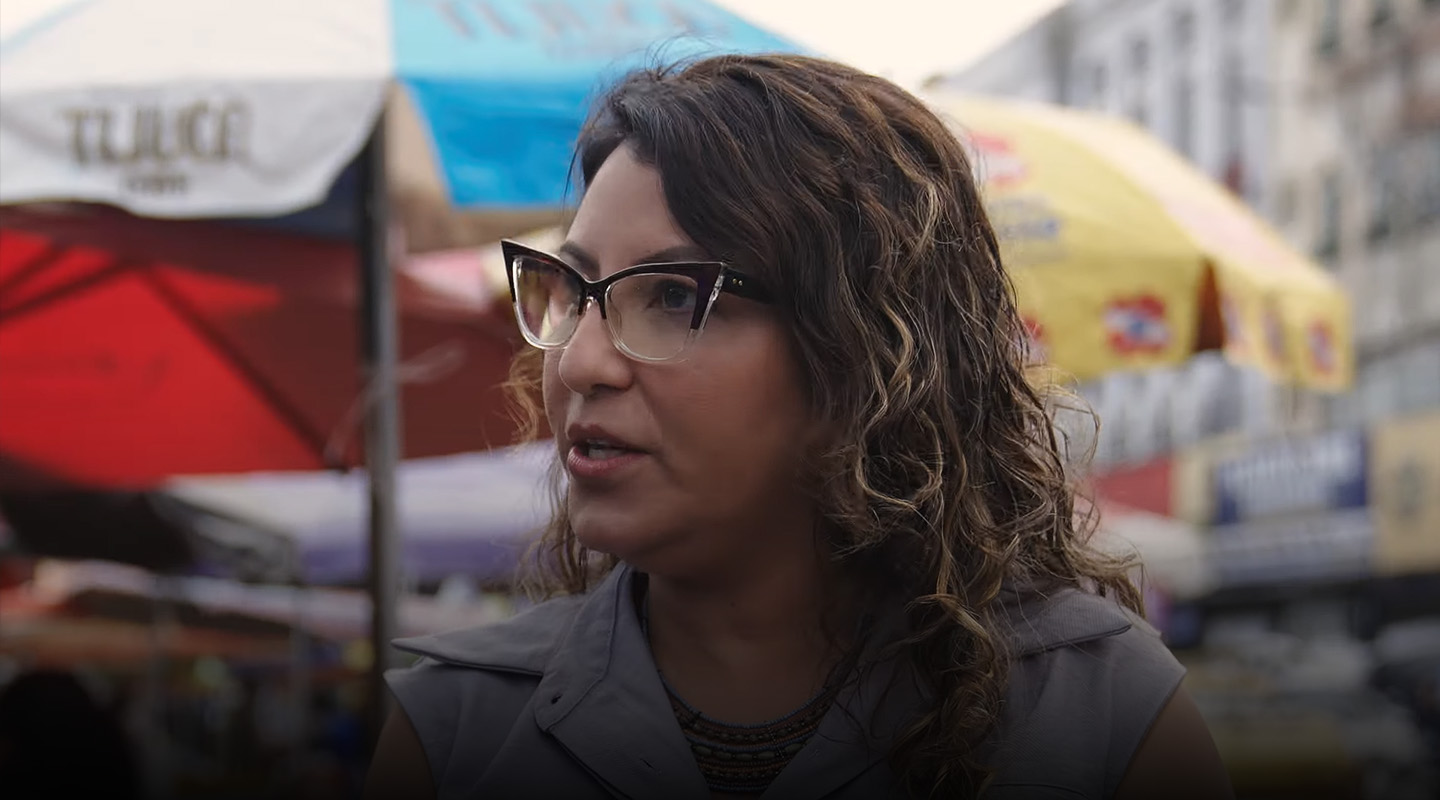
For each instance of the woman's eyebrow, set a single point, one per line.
(681, 252)
(590, 265)
(585, 262)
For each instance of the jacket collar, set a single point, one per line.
(1039, 620)
(600, 694)
(537, 641)
(601, 697)
(525, 643)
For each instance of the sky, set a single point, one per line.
(904, 40)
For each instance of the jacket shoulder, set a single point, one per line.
(1039, 621)
(1090, 677)
(523, 643)
(471, 686)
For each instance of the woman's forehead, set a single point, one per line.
(624, 219)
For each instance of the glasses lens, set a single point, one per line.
(651, 314)
(546, 300)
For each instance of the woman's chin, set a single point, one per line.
(609, 531)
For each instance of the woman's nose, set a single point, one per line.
(590, 361)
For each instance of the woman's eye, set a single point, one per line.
(674, 296)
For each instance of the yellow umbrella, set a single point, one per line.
(1125, 256)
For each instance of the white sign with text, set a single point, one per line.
(186, 151)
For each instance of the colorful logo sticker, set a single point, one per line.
(1029, 230)
(1024, 219)
(1137, 325)
(1321, 341)
(995, 160)
(1035, 348)
(1274, 332)
(1408, 496)
(1234, 323)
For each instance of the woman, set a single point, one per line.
(816, 539)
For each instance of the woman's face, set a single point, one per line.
(720, 433)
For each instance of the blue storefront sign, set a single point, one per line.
(1334, 545)
(1293, 510)
(1326, 472)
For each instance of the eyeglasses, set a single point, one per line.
(653, 311)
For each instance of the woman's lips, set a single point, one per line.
(588, 463)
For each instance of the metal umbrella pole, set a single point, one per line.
(380, 342)
(301, 683)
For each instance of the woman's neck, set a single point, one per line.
(752, 647)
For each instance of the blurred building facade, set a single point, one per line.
(1188, 70)
(1195, 73)
(1356, 126)
(1319, 514)
(1324, 115)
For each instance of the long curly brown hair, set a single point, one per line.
(856, 203)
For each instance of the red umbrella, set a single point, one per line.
(133, 349)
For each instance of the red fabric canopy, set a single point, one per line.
(135, 349)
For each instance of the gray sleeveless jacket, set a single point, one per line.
(563, 701)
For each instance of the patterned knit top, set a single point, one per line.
(739, 758)
(744, 759)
